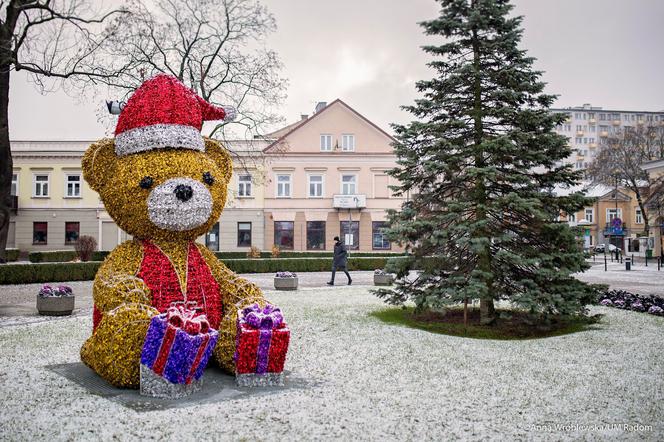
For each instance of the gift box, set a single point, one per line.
(261, 346)
(176, 350)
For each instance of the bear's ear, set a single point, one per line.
(99, 163)
(220, 156)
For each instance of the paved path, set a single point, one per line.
(17, 302)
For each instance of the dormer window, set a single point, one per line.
(348, 142)
(326, 142)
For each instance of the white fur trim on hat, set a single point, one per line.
(158, 136)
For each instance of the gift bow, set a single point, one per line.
(181, 317)
(267, 318)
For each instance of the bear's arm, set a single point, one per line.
(116, 282)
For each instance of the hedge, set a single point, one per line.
(63, 256)
(70, 255)
(11, 255)
(85, 271)
(49, 272)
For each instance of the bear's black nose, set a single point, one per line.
(183, 193)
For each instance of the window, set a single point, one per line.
(350, 232)
(212, 237)
(571, 217)
(14, 191)
(283, 186)
(638, 218)
(315, 235)
(244, 234)
(613, 213)
(315, 186)
(325, 142)
(72, 230)
(39, 232)
(589, 215)
(73, 183)
(348, 142)
(348, 184)
(283, 234)
(40, 188)
(244, 185)
(379, 241)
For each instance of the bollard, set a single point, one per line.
(632, 258)
(659, 263)
(621, 258)
(646, 259)
(605, 268)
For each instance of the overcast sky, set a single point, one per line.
(366, 52)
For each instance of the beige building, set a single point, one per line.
(297, 188)
(327, 177)
(599, 226)
(655, 203)
(53, 205)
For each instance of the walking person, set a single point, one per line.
(340, 260)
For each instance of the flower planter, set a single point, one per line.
(55, 305)
(285, 283)
(385, 279)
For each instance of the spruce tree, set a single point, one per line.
(479, 166)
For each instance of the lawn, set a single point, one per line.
(352, 376)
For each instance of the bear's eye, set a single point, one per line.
(208, 178)
(146, 182)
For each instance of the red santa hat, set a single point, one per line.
(164, 113)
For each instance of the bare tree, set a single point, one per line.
(620, 158)
(216, 47)
(54, 40)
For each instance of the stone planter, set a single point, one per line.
(55, 305)
(383, 279)
(285, 283)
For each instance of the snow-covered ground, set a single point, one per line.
(367, 380)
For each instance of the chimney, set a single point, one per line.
(304, 116)
(320, 106)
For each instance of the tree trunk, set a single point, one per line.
(487, 310)
(6, 164)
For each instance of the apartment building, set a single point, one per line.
(587, 126)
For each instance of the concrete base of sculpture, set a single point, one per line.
(154, 385)
(259, 380)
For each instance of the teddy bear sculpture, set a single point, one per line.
(164, 184)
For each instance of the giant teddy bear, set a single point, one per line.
(164, 184)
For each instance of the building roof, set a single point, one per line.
(295, 126)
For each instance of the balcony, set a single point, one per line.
(611, 229)
(592, 121)
(357, 201)
(616, 122)
(13, 206)
(604, 133)
(579, 133)
(593, 145)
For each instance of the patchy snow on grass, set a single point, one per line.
(367, 380)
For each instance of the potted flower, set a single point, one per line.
(55, 300)
(382, 278)
(285, 281)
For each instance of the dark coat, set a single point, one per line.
(340, 255)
